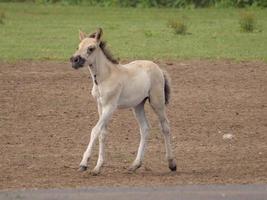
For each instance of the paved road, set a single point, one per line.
(194, 192)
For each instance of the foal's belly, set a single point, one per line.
(131, 102)
(134, 91)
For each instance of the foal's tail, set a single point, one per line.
(167, 87)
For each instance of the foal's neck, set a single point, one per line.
(103, 67)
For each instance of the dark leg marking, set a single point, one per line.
(172, 165)
(82, 168)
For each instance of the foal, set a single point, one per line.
(122, 86)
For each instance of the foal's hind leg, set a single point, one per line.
(165, 128)
(144, 126)
(158, 104)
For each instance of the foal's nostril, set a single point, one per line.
(77, 62)
(77, 59)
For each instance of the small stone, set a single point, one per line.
(228, 136)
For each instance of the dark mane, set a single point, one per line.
(107, 53)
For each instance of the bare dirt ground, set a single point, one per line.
(46, 114)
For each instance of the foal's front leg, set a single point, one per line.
(101, 140)
(96, 131)
(101, 153)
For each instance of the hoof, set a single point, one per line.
(173, 168)
(82, 168)
(95, 172)
(172, 165)
(133, 168)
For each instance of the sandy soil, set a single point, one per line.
(46, 114)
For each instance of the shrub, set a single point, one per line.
(247, 22)
(148, 33)
(261, 3)
(178, 26)
(2, 17)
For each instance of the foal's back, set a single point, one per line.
(141, 64)
(139, 78)
(139, 67)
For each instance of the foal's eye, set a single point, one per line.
(90, 50)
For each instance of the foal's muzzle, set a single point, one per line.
(77, 61)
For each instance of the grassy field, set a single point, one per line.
(31, 31)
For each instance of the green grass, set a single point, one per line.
(32, 31)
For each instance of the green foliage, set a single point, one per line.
(178, 26)
(247, 22)
(66, 2)
(225, 3)
(154, 3)
(260, 3)
(240, 3)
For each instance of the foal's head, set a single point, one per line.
(87, 50)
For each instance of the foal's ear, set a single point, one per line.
(82, 35)
(97, 35)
